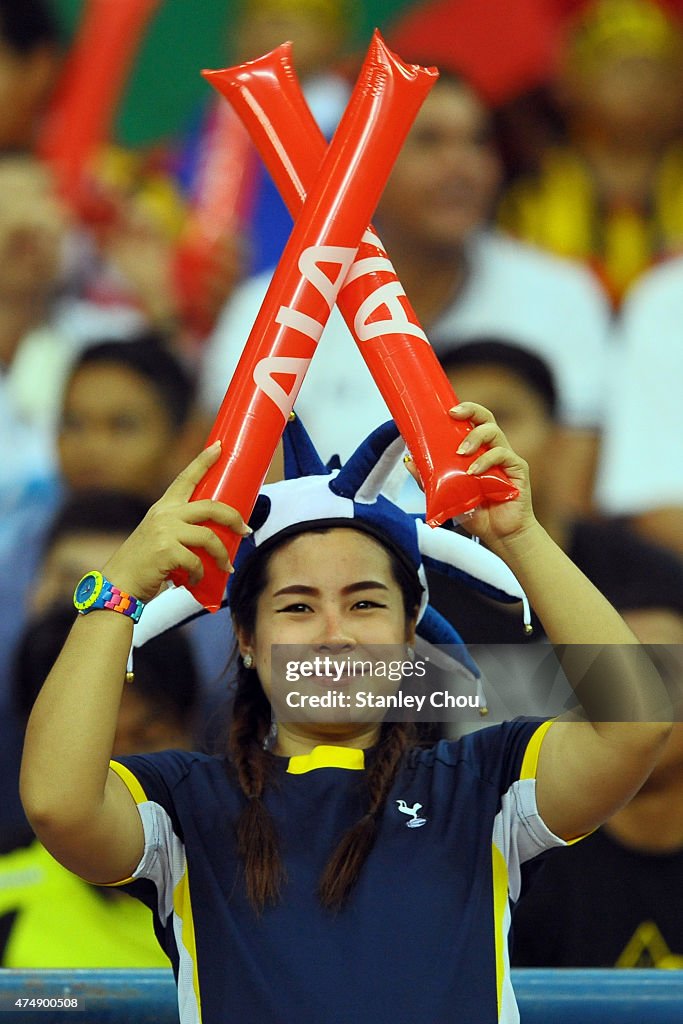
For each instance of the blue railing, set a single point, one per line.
(149, 997)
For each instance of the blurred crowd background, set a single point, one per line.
(535, 220)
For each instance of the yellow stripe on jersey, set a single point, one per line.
(130, 782)
(530, 762)
(182, 909)
(500, 904)
(327, 757)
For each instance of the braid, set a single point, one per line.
(344, 866)
(257, 840)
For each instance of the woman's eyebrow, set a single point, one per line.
(300, 588)
(364, 585)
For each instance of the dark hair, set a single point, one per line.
(96, 512)
(516, 359)
(27, 24)
(257, 839)
(149, 356)
(165, 672)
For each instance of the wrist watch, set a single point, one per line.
(95, 593)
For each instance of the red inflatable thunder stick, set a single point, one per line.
(304, 288)
(268, 98)
(80, 117)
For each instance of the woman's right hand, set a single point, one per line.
(161, 543)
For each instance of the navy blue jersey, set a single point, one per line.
(423, 936)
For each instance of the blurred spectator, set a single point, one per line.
(615, 899)
(43, 323)
(134, 398)
(129, 264)
(613, 195)
(34, 352)
(123, 264)
(49, 917)
(462, 278)
(30, 56)
(319, 31)
(640, 579)
(640, 474)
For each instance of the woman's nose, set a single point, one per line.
(334, 634)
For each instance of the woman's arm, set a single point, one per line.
(587, 769)
(80, 810)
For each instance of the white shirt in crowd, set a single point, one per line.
(640, 467)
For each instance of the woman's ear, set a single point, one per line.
(411, 626)
(244, 639)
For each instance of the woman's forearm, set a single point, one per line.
(71, 730)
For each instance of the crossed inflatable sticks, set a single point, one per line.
(333, 257)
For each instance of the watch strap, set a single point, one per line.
(116, 600)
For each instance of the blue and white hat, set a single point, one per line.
(351, 495)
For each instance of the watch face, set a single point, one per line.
(88, 590)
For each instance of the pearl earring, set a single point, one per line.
(248, 660)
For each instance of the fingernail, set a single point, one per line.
(246, 530)
(456, 408)
(474, 468)
(212, 447)
(231, 568)
(464, 447)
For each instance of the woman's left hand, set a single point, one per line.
(499, 522)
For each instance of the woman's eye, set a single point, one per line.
(368, 604)
(299, 606)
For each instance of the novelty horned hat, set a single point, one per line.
(313, 493)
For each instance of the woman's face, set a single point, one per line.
(327, 595)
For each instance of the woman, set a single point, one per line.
(285, 883)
